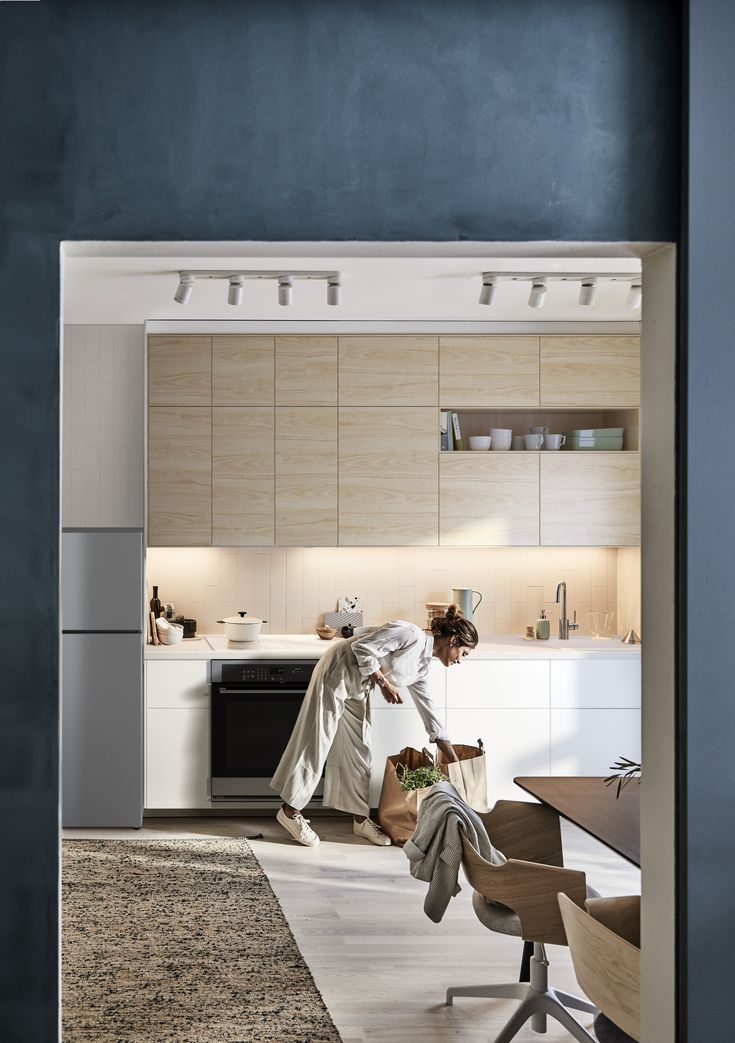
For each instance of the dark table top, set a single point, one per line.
(590, 804)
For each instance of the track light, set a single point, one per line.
(186, 283)
(588, 291)
(537, 294)
(285, 290)
(334, 291)
(487, 293)
(635, 295)
(234, 294)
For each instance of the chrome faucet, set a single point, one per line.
(564, 625)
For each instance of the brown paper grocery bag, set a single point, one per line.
(468, 775)
(398, 808)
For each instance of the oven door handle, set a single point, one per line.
(222, 690)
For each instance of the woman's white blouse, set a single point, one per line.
(402, 653)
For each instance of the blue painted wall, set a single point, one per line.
(220, 119)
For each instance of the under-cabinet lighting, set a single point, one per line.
(186, 283)
(537, 294)
(334, 290)
(635, 294)
(487, 293)
(588, 291)
(234, 294)
(588, 281)
(285, 291)
(236, 279)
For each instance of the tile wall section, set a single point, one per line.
(292, 587)
(103, 455)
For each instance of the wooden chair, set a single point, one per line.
(605, 947)
(526, 888)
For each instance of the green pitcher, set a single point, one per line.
(462, 596)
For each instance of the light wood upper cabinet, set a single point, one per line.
(179, 476)
(590, 499)
(306, 476)
(489, 499)
(388, 480)
(243, 371)
(242, 477)
(488, 372)
(388, 371)
(179, 371)
(590, 371)
(306, 371)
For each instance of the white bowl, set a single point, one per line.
(171, 635)
(480, 442)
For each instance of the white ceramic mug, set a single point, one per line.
(533, 441)
(554, 441)
(502, 438)
(518, 442)
(480, 442)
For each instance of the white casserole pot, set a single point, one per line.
(238, 628)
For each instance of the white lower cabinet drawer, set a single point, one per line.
(589, 741)
(177, 683)
(497, 684)
(596, 683)
(516, 743)
(177, 759)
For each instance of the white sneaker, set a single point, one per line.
(298, 827)
(371, 831)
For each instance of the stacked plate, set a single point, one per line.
(597, 438)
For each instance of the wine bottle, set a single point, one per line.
(155, 604)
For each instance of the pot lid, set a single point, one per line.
(242, 618)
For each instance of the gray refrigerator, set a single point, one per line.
(102, 677)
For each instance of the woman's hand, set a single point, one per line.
(390, 692)
(448, 750)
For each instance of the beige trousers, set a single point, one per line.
(333, 728)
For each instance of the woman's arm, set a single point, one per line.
(447, 749)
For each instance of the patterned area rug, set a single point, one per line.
(180, 941)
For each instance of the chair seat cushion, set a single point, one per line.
(500, 918)
(608, 1032)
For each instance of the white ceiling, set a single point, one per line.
(400, 282)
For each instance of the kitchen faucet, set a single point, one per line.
(564, 625)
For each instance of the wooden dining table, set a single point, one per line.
(590, 804)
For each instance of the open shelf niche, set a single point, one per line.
(559, 421)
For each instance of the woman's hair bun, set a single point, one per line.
(454, 624)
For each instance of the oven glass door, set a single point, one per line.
(250, 730)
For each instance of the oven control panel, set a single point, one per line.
(258, 672)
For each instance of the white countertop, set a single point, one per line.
(310, 646)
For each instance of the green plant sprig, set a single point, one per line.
(418, 778)
(624, 771)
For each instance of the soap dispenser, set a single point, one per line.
(543, 627)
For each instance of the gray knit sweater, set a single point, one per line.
(435, 849)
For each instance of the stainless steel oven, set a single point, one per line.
(254, 707)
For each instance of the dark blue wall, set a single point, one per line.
(318, 119)
(708, 713)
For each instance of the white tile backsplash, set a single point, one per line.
(292, 587)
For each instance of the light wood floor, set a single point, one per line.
(381, 965)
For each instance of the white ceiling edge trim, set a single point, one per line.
(330, 248)
(153, 326)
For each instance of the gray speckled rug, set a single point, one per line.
(180, 941)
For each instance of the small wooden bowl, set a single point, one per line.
(326, 633)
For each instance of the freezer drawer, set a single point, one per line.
(102, 579)
(102, 730)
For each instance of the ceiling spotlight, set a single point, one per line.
(488, 290)
(334, 291)
(537, 294)
(234, 294)
(285, 290)
(186, 282)
(588, 291)
(635, 295)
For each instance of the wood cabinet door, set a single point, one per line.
(488, 372)
(388, 480)
(590, 371)
(306, 371)
(388, 371)
(590, 499)
(306, 476)
(179, 371)
(489, 499)
(243, 371)
(179, 476)
(242, 477)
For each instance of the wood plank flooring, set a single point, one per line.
(381, 965)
